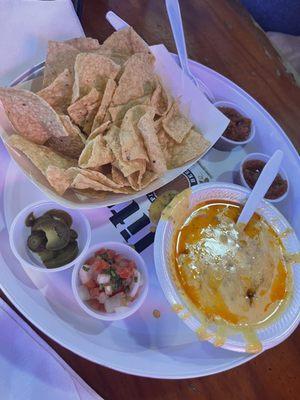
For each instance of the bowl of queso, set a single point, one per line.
(237, 288)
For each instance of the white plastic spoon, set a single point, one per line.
(116, 22)
(175, 19)
(261, 187)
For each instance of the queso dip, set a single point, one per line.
(230, 275)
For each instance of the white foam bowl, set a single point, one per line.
(19, 233)
(265, 158)
(287, 321)
(129, 253)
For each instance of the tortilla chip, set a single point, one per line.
(116, 57)
(92, 70)
(71, 145)
(166, 144)
(41, 156)
(194, 145)
(87, 194)
(95, 154)
(99, 131)
(84, 43)
(125, 41)
(160, 100)
(60, 56)
(117, 113)
(137, 79)
(83, 111)
(31, 116)
(138, 184)
(175, 124)
(60, 179)
(105, 102)
(131, 141)
(118, 177)
(83, 182)
(112, 139)
(147, 179)
(148, 133)
(58, 94)
(95, 176)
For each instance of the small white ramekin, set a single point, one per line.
(19, 232)
(265, 158)
(126, 251)
(226, 144)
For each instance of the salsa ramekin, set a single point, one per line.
(129, 253)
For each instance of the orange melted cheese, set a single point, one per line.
(238, 277)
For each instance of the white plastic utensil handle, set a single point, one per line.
(175, 19)
(261, 187)
(115, 21)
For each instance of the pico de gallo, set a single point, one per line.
(109, 281)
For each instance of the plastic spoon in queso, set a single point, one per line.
(261, 187)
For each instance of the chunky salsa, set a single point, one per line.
(239, 127)
(109, 281)
(251, 171)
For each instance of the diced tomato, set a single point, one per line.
(91, 284)
(94, 293)
(123, 263)
(131, 264)
(111, 253)
(118, 258)
(100, 252)
(100, 265)
(90, 261)
(94, 304)
(124, 272)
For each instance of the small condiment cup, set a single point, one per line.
(19, 233)
(131, 254)
(226, 144)
(265, 158)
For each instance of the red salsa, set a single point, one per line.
(109, 281)
(239, 127)
(251, 171)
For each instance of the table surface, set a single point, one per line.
(221, 35)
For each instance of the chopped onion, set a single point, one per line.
(84, 293)
(113, 302)
(103, 279)
(108, 290)
(102, 298)
(134, 287)
(85, 274)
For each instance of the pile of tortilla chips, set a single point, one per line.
(103, 121)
